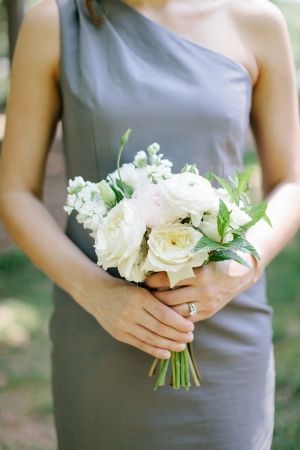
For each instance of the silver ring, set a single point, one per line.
(192, 308)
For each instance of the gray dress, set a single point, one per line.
(195, 102)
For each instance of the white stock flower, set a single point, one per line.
(84, 197)
(140, 159)
(118, 241)
(170, 250)
(190, 194)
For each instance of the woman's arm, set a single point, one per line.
(132, 314)
(275, 124)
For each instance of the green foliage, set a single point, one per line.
(256, 212)
(223, 219)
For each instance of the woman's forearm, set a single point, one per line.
(36, 232)
(284, 213)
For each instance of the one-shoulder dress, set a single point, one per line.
(195, 102)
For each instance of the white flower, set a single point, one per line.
(238, 217)
(209, 227)
(84, 198)
(136, 178)
(153, 207)
(106, 193)
(153, 149)
(140, 159)
(170, 250)
(118, 240)
(190, 194)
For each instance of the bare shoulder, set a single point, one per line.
(39, 37)
(259, 15)
(263, 27)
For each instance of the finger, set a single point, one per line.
(149, 322)
(153, 351)
(183, 309)
(205, 313)
(158, 280)
(150, 338)
(166, 315)
(173, 297)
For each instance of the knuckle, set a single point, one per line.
(158, 328)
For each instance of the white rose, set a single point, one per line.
(171, 250)
(190, 194)
(118, 240)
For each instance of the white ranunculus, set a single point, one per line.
(170, 250)
(118, 241)
(190, 194)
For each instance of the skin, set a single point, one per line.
(251, 32)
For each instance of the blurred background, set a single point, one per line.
(26, 421)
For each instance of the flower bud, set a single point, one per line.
(107, 194)
(153, 149)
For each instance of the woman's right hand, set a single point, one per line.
(134, 316)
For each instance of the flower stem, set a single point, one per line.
(153, 367)
(161, 381)
(194, 373)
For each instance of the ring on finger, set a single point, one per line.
(192, 308)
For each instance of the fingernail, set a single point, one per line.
(166, 355)
(190, 336)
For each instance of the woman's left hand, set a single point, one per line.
(213, 286)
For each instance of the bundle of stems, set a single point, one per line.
(183, 369)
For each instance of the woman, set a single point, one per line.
(192, 76)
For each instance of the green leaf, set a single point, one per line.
(241, 244)
(223, 219)
(243, 180)
(207, 244)
(209, 175)
(128, 190)
(256, 212)
(229, 187)
(224, 255)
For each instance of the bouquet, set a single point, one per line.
(144, 219)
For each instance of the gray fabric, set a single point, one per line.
(195, 102)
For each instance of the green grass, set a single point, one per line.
(25, 308)
(25, 366)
